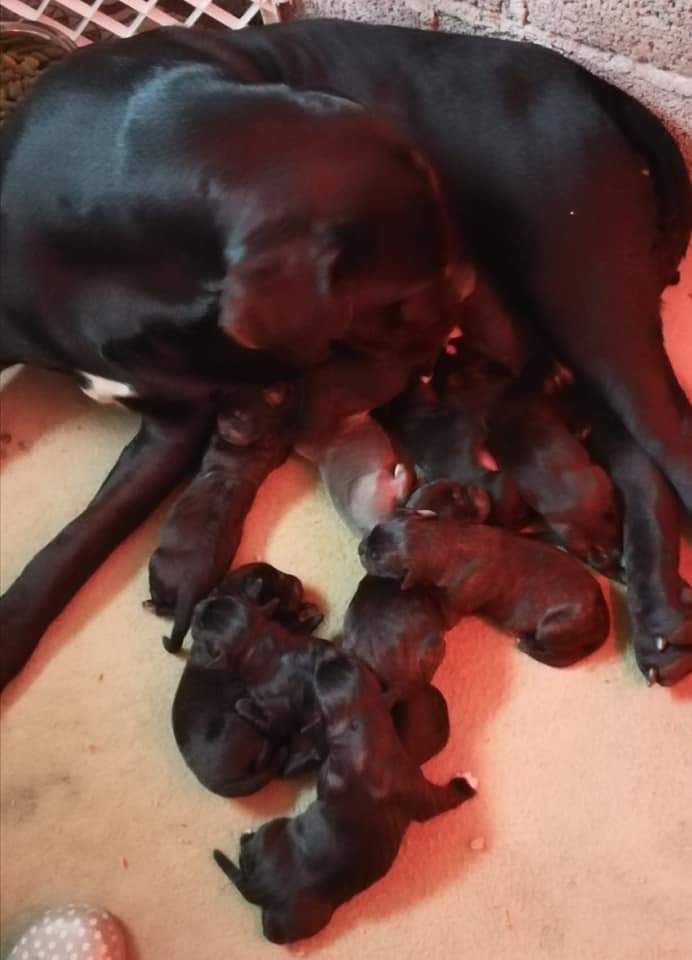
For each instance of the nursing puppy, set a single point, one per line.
(556, 477)
(365, 477)
(300, 870)
(202, 530)
(447, 440)
(544, 597)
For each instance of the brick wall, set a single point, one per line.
(643, 46)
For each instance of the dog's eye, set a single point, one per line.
(354, 725)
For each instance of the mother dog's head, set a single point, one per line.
(341, 216)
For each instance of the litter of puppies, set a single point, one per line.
(262, 697)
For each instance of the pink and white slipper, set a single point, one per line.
(74, 932)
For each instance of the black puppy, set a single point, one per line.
(225, 751)
(137, 283)
(544, 597)
(203, 528)
(556, 477)
(300, 870)
(400, 633)
(446, 439)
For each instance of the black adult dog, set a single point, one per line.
(186, 201)
(127, 266)
(569, 196)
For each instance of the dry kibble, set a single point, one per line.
(20, 67)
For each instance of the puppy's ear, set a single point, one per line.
(333, 673)
(250, 711)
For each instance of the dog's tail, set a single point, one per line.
(187, 598)
(228, 867)
(670, 178)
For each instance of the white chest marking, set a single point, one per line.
(103, 390)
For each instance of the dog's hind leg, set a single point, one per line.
(168, 443)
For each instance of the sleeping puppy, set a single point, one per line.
(446, 440)
(202, 530)
(398, 633)
(225, 751)
(541, 595)
(364, 475)
(556, 477)
(300, 870)
(280, 595)
(422, 723)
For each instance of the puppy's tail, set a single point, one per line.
(228, 867)
(187, 598)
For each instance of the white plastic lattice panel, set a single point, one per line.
(85, 22)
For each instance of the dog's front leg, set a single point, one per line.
(168, 443)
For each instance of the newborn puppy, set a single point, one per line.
(275, 667)
(226, 752)
(300, 869)
(202, 531)
(445, 437)
(543, 596)
(365, 477)
(422, 723)
(279, 594)
(398, 633)
(556, 477)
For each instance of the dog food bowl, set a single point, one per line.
(26, 50)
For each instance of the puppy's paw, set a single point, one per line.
(662, 661)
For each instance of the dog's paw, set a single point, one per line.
(665, 660)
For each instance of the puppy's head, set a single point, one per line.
(270, 873)
(449, 499)
(346, 218)
(592, 529)
(412, 547)
(248, 413)
(263, 584)
(222, 629)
